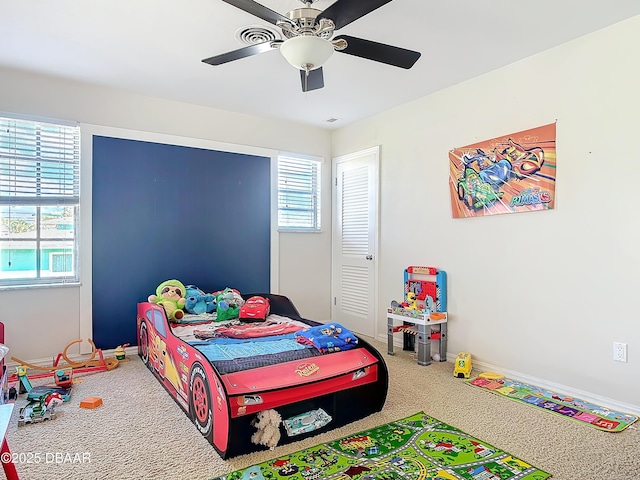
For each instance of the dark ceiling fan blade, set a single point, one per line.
(258, 10)
(343, 12)
(379, 52)
(313, 80)
(242, 52)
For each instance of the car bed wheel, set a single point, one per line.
(200, 400)
(144, 343)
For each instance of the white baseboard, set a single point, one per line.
(610, 403)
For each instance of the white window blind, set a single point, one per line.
(39, 163)
(298, 194)
(39, 202)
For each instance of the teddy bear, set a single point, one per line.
(268, 424)
(170, 295)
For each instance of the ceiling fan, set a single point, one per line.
(309, 43)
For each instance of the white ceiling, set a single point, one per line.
(155, 48)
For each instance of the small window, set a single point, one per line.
(298, 194)
(159, 323)
(39, 201)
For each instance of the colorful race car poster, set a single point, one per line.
(509, 174)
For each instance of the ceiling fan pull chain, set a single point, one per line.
(306, 78)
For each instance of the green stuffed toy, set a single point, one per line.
(228, 304)
(170, 295)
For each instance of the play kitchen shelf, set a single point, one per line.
(422, 315)
(425, 330)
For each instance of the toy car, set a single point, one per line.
(255, 309)
(40, 409)
(475, 192)
(497, 174)
(463, 365)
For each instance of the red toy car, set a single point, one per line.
(255, 309)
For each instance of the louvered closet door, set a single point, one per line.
(355, 241)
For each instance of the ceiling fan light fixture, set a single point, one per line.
(306, 52)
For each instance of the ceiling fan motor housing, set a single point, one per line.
(304, 23)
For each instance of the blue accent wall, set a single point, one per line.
(165, 211)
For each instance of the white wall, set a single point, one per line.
(544, 294)
(40, 322)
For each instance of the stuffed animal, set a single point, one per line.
(268, 424)
(197, 301)
(228, 303)
(170, 295)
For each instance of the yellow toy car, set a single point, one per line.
(462, 368)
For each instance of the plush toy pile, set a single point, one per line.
(176, 299)
(268, 424)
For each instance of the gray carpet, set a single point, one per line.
(141, 433)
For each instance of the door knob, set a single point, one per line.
(369, 257)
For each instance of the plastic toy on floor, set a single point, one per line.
(91, 402)
(95, 363)
(64, 378)
(463, 365)
(120, 352)
(40, 409)
(36, 393)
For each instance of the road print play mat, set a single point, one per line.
(418, 447)
(575, 409)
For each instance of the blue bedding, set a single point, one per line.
(232, 348)
(331, 337)
(230, 355)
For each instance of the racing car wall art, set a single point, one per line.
(509, 174)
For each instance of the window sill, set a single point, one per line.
(39, 285)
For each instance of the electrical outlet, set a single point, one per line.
(619, 352)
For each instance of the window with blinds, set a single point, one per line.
(39, 202)
(298, 194)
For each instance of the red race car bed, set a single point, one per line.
(223, 374)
